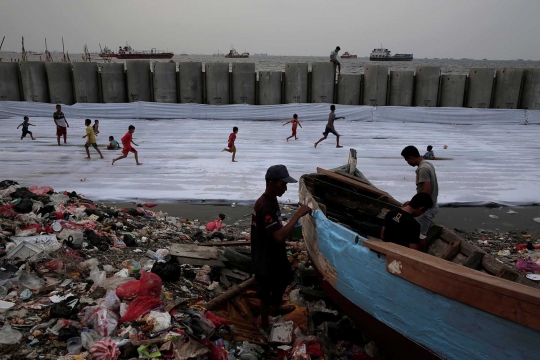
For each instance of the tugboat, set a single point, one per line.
(346, 55)
(127, 52)
(233, 54)
(382, 54)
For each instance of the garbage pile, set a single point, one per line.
(81, 280)
(517, 249)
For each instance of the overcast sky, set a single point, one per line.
(493, 29)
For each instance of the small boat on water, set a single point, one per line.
(346, 55)
(127, 52)
(454, 302)
(382, 54)
(233, 54)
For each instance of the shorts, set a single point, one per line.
(230, 146)
(126, 151)
(26, 132)
(270, 288)
(335, 61)
(294, 132)
(60, 130)
(330, 130)
(87, 145)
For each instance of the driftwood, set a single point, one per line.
(229, 294)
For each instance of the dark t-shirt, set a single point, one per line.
(59, 119)
(268, 256)
(401, 228)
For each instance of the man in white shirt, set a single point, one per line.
(334, 59)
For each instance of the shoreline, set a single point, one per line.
(467, 219)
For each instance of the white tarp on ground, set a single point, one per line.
(148, 110)
(182, 159)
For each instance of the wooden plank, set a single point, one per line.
(194, 251)
(354, 183)
(352, 177)
(227, 243)
(200, 262)
(451, 250)
(442, 267)
(474, 261)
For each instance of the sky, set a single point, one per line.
(493, 29)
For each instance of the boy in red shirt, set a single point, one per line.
(231, 148)
(127, 140)
(295, 122)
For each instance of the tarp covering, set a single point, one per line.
(494, 158)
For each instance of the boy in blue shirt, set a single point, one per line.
(25, 124)
(429, 155)
(113, 144)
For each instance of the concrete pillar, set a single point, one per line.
(243, 83)
(191, 82)
(480, 87)
(401, 88)
(269, 87)
(10, 90)
(348, 89)
(113, 83)
(60, 83)
(426, 85)
(86, 82)
(296, 83)
(165, 90)
(138, 80)
(452, 90)
(507, 88)
(530, 98)
(34, 81)
(322, 82)
(217, 83)
(375, 85)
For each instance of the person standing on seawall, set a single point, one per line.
(61, 124)
(426, 182)
(334, 59)
(268, 250)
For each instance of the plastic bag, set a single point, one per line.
(9, 335)
(112, 301)
(527, 265)
(114, 282)
(41, 190)
(88, 264)
(133, 266)
(30, 281)
(139, 306)
(105, 349)
(161, 320)
(89, 337)
(150, 285)
(74, 345)
(104, 321)
(167, 271)
(128, 290)
(54, 265)
(98, 277)
(216, 320)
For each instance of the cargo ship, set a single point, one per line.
(127, 52)
(346, 55)
(233, 54)
(382, 54)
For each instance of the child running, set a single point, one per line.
(25, 124)
(295, 122)
(113, 144)
(231, 148)
(127, 140)
(96, 127)
(91, 139)
(330, 127)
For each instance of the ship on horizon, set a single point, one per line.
(127, 52)
(346, 55)
(382, 54)
(233, 54)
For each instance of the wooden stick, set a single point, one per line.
(229, 294)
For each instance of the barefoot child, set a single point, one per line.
(113, 144)
(127, 140)
(295, 122)
(231, 148)
(429, 155)
(25, 124)
(330, 127)
(96, 127)
(91, 139)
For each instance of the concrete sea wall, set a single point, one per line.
(139, 80)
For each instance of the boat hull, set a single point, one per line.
(391, 58)
(237, 56)
(399, 314)
(349, 57)
(138, 56)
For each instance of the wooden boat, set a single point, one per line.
(455, 302)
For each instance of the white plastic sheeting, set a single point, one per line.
(149, 110)
(182, 158)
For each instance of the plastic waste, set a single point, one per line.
(251, 351)
(160, 319)
(30, 281)
(25, 295)
(89, 337)
(150, 285)
(101, 319)
(167, 271)
(64, 308)
(98, 277)
(105, 349)
(8, 335)
(216, 320)
(111, 301)
(124, 273)
(67, 333)
(153, 255)
(139, 306)
(148, 351)
(88, 264)
(74, 345)
(108, 268)
(128, 290)
(133, 266)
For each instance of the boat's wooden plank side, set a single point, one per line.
(352, 182)
(509, 300)
(447, 327)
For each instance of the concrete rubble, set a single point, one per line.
(82, 280)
